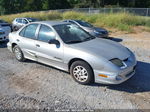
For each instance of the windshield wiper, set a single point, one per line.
(73, 41)
(89, 38)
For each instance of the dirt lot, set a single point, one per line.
(32, 85)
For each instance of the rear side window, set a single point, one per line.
(29, 31)
(45, 33)
(19, 20)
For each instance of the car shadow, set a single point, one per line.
(115, 39)
(140, 82)
(3, 44)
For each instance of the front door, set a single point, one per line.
(50, 54)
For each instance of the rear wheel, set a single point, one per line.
(18, 53)
(82, 72)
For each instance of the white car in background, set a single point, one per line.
(5, 29)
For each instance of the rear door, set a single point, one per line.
(26, 41)
(50, 54)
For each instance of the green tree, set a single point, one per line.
(11, 6)
(32, 5)
(56, 4)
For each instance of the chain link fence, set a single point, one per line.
(136, 11)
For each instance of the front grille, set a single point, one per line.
(130, 73)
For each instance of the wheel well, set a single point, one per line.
(13, 45)
(77, 59)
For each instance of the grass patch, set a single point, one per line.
(120, 21)
(49, 15)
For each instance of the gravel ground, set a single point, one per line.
(31, 85)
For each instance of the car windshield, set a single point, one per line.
(70, 33)
(83, 23)
(32, 19)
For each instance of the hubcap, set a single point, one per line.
(18, 53)
(80, 73)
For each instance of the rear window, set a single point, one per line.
(29, 31)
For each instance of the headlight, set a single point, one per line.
(97, 32)
(117, 62)
(1, 32)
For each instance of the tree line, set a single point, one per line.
(16, 6)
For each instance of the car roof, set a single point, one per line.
(52, 23)
(25, 18)
(72, 20)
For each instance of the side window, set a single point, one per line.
(19, 20)
(25, 21)
(45, 34)
(29, 31)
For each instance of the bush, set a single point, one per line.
(74, 15)
(49, 15)
(121, 21)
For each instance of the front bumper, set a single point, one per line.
(118, 76)
(116, 79)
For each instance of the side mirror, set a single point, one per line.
(54, 41)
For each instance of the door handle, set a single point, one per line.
(37, 45)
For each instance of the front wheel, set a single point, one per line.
(18, 53)
(82, 72)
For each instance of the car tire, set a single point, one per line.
(82, 72)
(18, 53)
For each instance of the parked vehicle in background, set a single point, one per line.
(19, 22)
(5, 29)
(95, 31)
(70, 48)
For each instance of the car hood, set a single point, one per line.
(103, 48)
(94, 28)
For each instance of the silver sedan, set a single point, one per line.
(69, 48)
(95, 31)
